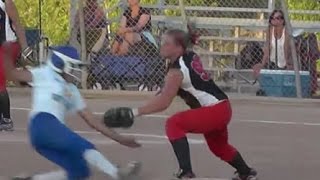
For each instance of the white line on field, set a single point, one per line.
(246, 121)
(93, 140)
(22, 109)
(209, 179)
(281, 122)
(7, 178)
(201, 179)
(142, 135)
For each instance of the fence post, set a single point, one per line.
(293, 48)
(83, 44)
(73, 12)
(183, 15)
(161, 4)
(271, 5)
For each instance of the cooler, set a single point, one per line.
(281, 83)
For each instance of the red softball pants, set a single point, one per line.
(211, 121)
(15, 52)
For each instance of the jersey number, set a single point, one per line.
(198, 68)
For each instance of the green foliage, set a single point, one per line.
(149, 2)
(55, 17)
(28, 11)
(55, 13)
(304, 5)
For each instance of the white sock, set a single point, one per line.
(96, 159)
(54, 175)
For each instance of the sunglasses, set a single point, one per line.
(277, 18)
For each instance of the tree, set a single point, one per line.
(55, 18)
(55, 13)
(304, 5)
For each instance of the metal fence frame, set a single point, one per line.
(211, 22)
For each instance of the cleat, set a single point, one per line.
(183, 175)
(130, 170)
(22, 178)
(251, 176)
(6, 124)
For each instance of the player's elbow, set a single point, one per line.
(87, 116)
(163, 107)
(165, 104)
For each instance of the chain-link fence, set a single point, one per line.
(119, 58)
(236, 37)
(45, 22)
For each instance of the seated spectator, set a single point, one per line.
(95, 26)
(135, 26)
(277, 48)
(250, 55)
(308, 54)
(95, 23)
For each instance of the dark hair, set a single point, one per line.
(274, 12)
(184, 39)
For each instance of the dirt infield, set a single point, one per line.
(279, 139)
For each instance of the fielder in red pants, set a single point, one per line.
(12, 33)
(210, 111)
(5, 117)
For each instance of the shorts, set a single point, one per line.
(15, 55)
(59, 144)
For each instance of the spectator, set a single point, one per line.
(95, 22)
(308, 53)
(277, 48)
(95, 26)
(135, 26)
(250, 55)
(12, 33)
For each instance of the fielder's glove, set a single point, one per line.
(120, 117)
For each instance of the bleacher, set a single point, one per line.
(213, 58)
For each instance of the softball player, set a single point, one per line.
(54, 96)
(210, 111)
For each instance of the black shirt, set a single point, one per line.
(197, 88)
(131, 22)
(7, 32)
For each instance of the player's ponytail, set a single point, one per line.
(193, 36)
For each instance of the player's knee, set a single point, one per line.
(173, 129)
(89, 145)
(85, 173)
(81, 145)
(81, 174)
(80, 170)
